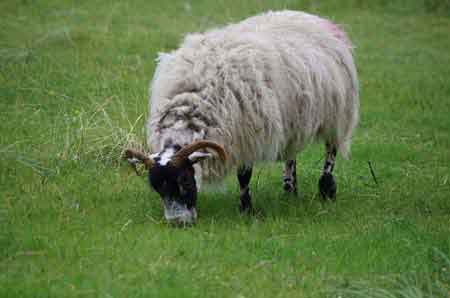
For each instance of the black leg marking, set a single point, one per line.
(244, 175)
(290, 176)
(327, 183)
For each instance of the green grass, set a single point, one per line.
(76, 222)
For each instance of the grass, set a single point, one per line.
(76, 222)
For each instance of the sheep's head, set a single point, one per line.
(171, 174)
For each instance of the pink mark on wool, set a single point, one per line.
(337, 32)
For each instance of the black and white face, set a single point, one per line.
(172, 174)
(177, 186)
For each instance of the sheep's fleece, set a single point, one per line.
(262, 88)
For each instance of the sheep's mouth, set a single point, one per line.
(179, 214)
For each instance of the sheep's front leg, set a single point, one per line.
(327, 183)
(244, 175)
(290, 176)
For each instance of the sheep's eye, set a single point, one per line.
(186, 183)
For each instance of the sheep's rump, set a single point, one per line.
(262, 88)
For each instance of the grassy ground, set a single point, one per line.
(75, 222)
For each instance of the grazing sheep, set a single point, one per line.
(258, 90)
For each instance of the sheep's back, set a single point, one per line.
(274, 81)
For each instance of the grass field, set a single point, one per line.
(76, 222)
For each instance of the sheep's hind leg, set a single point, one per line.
(244, 175)
(327, 183)
(290, 176)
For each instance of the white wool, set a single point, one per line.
(262, 88)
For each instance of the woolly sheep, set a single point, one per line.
(258, 90)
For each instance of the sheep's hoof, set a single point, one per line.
(289, 186)
(246, 208)
(246, 201)
(246, 205)
(327, 186)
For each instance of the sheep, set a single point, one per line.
(258, 90)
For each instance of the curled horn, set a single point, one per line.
(180, 157)
(135, 157)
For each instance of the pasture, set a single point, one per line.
(75, 221)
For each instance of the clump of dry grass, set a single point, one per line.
(102, 133)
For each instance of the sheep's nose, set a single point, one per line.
(178, 213)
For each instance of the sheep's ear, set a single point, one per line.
(136, 157)
(199, 156)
